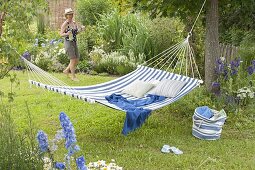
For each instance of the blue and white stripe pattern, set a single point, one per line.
(98, 92)
(205, 128)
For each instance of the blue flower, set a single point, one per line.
(68, 130)
(72, 150)
(250, 70)
(60, 165)
(43, 45)
(43, 141)
(60, 40)
(80, 163)
(52, 42)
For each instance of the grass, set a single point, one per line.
(98, 129)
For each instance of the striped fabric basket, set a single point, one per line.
(208, 128)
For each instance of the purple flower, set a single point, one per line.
(43, 45)
(235, 63)
(215, 84)
(225, 74)
(250, 70)
(253, 63)
(234, 71)
(27, 55)
(80, 163)
(219, 61)
(60, 165)
(219, 68)
(216, 88)
(43, 141)
(68, 130)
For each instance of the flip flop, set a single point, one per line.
(176, 150)
(165, 149)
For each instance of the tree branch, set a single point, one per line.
(1, 22)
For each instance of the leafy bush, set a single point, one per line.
(114, 62)
(86, 41)
(84, 66)
(89, 11)
(50, 56)
(165, 32)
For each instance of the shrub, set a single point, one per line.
(50, 55)
(114, 62)
(89, 11)
(86, 41)
(165, 32)
(83, 66)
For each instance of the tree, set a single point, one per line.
(211, 42)
(15, 17)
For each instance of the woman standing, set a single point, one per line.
(69, 30)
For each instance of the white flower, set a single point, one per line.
(47, 163)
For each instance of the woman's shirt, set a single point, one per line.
(73, 30)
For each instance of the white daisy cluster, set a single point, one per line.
(102, 165)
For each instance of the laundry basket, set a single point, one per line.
(208, 123)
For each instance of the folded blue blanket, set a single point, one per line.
(135, 115)
(204, 111)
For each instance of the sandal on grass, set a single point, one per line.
(176, 150)
(165, 149)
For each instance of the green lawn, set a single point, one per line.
(98, 129)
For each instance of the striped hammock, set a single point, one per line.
(97, 93)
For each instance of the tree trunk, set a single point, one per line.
(2, 15)
(212, 50)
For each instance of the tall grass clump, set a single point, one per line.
(125, 33)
